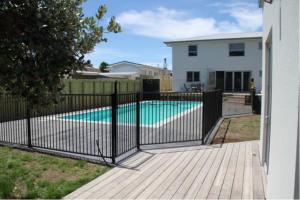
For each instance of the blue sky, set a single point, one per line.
(147, 23)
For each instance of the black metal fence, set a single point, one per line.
(109, 125)
(69, 126)
(170, 118)
(255, 102)
(212, 110)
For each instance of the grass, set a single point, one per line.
(238, 129)
(33, 175)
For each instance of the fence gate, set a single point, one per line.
(151, 85)
(170, 118)
(124, 123)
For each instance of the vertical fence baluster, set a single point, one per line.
(28, 126)
(114, 104)
(138, 121)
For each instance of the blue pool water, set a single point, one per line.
(151, 112)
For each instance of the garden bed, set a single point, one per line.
(238, 129)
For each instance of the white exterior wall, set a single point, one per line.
(214, 56)
(285, 97)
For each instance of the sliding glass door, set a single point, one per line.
(246, 81)
(237, 81)
(228, 82)
(234, 81)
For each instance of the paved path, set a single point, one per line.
(218, 171)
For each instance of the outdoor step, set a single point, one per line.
(235, 101)
(236, 97)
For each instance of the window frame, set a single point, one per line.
(236, 52)
(192, 53)
(192, 77)
(189, 80)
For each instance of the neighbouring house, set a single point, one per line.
(154, 78)
(138, 69)
(88, 72)
(280, 100)
(224, 61)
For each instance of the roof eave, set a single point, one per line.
(168, 43)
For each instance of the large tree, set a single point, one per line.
(42, 41)
(103, 67)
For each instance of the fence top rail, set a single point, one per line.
(109, 94)
(212, 91)
(105, 95)
(129, 93)
(170, 93)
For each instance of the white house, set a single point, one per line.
(225, 61)
(280, 102)
(137, 69)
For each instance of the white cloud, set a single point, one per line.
(169, 23)
(247, 16)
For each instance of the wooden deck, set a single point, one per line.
(228, 171)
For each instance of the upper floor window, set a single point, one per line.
(237, 49)
(193, 50)
(192, 76)
(155, 73)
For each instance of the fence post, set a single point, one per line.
(203, 116)
(114, 126)
(138, 120)
(252, 93)
(221, 103)
(28, 126)
(116, 87)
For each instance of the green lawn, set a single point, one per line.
(238, 129)
(34, 175)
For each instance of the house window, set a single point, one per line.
(237, 49)
(260, 73)
(260, 45)
(155, 73)
(193, 50)
(150, 73)
(189, 77)
(192, 76)
(196, 76)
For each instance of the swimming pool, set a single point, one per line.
(151, 112)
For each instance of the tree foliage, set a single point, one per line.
(103, 67)
(42, 41)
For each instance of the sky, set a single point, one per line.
(146, 24)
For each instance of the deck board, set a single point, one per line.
(237, 188)
(218, 182)
(217, 171)
(180, 193)
(210, 178)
